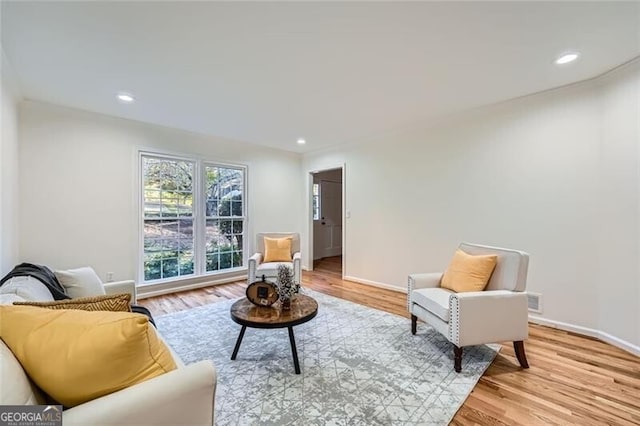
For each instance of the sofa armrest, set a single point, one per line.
(480, 317)
(181, 397)
(116, 287)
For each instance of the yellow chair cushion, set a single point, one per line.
(468, 273)
(76, 356)
(114, 303)
(277, 249)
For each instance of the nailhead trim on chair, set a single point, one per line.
(454, 317)
(410, 284)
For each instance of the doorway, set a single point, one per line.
(327, 221)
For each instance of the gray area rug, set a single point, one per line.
(360, 366)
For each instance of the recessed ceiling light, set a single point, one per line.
(565, 58)
(126, 98)
(301, 141)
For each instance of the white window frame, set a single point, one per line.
(199, 218)
(203, 220)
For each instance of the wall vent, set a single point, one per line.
(534, 302)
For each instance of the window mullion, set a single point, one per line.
(198, 198)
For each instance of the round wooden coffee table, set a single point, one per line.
(245, 313)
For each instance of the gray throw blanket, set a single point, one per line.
(41, 273)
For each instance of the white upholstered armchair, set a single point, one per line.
(497, 314)
(258, 268)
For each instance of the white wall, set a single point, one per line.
(619, 201)
(554, 174)
(8, 169)
(78, 176)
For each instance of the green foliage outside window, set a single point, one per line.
(169, 224)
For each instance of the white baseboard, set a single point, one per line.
(586, 331)
(150, 291)
(622, 344)
(375, 284)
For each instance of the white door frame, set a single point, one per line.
(309, 204)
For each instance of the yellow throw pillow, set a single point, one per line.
(468, 273)
(113, 303)
(76, 356)
(277, 249)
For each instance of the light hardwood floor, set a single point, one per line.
(572, 380)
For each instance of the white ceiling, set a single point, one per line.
(269, 73)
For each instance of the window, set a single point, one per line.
(224, 217)
(168, 218)
(193, 217)
(316, 201)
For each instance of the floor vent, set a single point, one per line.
(534, 301)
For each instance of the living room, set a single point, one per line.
(451, 123)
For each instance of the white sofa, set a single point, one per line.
(184, 396)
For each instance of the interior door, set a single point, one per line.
(328, 229)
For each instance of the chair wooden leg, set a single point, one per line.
(414, 324)
(457, 358)
(520, 354)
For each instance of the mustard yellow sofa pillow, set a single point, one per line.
(114, 303)
(76, 356)
(468, 273)
(277, 249)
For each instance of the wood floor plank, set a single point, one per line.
(573, 379)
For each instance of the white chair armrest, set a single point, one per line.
(257, 257)
(297, 267)
(116, 287)
(416, 281)
(254, 261)
(480, 317)
(181, 397)
(428, 280)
